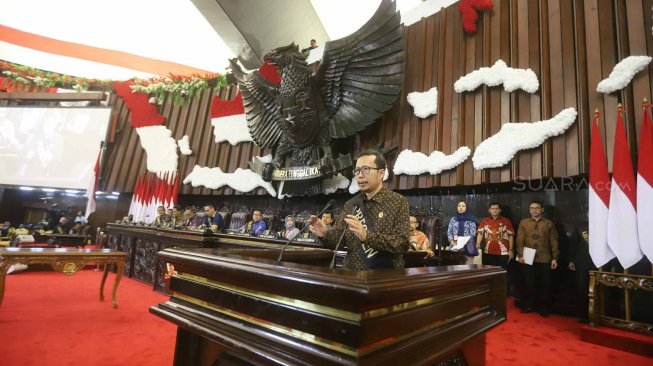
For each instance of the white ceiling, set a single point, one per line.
(165, 30)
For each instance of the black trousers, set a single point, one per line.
(537, 286)
(496, 260)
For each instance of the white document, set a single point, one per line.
(529, 255)
(460, 243)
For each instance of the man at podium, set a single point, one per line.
(374, 223)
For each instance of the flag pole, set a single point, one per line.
(645, 105)
(620, 110)
(601, 288)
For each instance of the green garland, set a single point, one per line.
(180, 88)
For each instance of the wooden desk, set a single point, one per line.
(242, 304)
(64, 240)
(64, 260)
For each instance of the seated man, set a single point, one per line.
(192, 219)
(63, 227)
(80, 218)
(327, 218)
(162, 220)
(177, 220)
(255, 226)
(76, 230)
(291, 231)
(129, 219)
(418, 240)
(213, 219)
(4, 230)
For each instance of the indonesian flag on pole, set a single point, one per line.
(645, 185)
(599, 199)
(92, 188)
(622, 216)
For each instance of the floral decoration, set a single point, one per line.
(623, 73)
(501, 147)
(415, 163)
(242, 180)
(180, 88)
(184, 145)
(424, 104)
(29, 76)
(469, 10)
(511, 78)
(143, 113)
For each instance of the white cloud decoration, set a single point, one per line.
(160, 147)
(623, 73)
(231, 128)
(424, 104)
(243, 180)
(331, 185)
(511, 78)
(184, 146)
(416, 163)
(501, 147)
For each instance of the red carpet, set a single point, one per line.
(48, 318)
(528, 339)
(51, 319)
(618, 339)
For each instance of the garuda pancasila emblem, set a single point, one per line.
(358, 79)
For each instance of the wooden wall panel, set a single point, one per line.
(571, 45)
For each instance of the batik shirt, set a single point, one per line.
(419, 241)
(496, 234)
(388, 212)
(540, 235)
(254, 228)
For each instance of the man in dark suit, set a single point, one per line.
(213, 219)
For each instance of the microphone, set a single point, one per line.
(357, 202)
(328, 205)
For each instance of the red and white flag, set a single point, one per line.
(92, 187)
(645, 186)
(622, 216)
(599, 199)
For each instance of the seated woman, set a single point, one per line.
(418, 240)
(291, 231)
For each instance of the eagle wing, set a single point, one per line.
(260, 106)
(360, 75)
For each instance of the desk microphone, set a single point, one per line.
(328, 205)
(357, 202)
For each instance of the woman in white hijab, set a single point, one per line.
(291, 231)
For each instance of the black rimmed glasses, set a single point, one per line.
(365, 170)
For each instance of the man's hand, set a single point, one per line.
(521, 260)
(429, 253)
(356, 227)
(317, 226)
(511, 255)
(572, 266)
(554, 264)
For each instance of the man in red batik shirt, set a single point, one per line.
(498, 233)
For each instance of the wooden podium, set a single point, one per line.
(241, 307)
